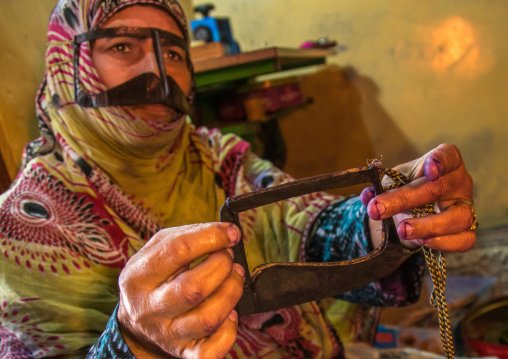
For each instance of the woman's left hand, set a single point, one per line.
(438, 177)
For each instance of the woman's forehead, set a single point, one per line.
(144, 16)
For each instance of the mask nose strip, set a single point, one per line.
(149, 63)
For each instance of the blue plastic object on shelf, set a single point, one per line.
(210, 29)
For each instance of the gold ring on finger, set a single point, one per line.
(475, 223)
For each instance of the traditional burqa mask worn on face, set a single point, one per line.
(63, 112)
(147, 87)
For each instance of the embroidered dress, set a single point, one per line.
(102, 181)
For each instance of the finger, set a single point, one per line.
(447, 190)
(191, 287)
(169, 233)
(442, 160)
(455, 219)
(366, 195)
(175, 248)
(207, 317)
(166, 233)
(461, 242)
(218, 344)
(397, 200)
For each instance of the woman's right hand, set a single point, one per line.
(167, 308)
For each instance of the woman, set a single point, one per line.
(87, 211)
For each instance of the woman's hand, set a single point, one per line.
(439, 177)
(167, 308)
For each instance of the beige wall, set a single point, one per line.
(429, 71)
(22, 35)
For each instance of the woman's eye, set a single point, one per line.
(121, 48)
(173, 55)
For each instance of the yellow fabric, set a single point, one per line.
(151, 182)
(55, 300)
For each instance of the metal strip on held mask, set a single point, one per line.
(273, 286)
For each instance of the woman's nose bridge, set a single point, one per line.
(148, 60)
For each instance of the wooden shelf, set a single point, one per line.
(245, 65)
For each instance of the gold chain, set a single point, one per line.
(437, 267)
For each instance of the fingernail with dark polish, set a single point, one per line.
(438, 165)
(239, 269)
(233, 233)
(409, 230)
(381, 209)
(366, 195)
(233, 316)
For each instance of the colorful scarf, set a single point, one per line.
(139, 156)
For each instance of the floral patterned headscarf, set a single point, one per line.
(107, 136)
(139, 156)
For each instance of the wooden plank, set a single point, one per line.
(272, 53)
(239, 72)
(207, 51)
(250, 64)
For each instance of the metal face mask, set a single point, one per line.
(146, 88)
(273, 286)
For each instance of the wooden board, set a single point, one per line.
(280, 55)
